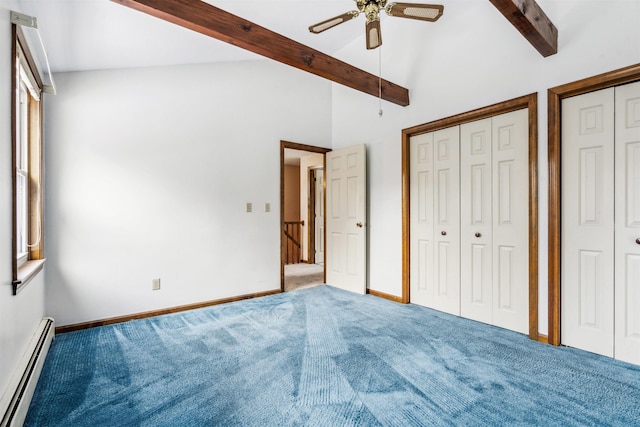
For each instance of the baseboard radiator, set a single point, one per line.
(28, 374)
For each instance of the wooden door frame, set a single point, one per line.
(555, 96)
(311, 200)
(528, 101)
(312, 149)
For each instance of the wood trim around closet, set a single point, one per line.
(555, 96)
(528, 101)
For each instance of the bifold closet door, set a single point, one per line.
(627, 223)
(470, 220)
(476, 252)
(435, 220)
(494, 202)
(587, 239)
(601, 222)
(421, 194)
(511, 220)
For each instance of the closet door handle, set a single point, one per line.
(638, 241)
(478, 235)
(444, 233)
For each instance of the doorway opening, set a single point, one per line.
(302, 216)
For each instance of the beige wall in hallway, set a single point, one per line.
(292, 193)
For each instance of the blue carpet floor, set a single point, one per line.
(324, 357)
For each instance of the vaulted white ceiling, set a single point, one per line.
(100, 34)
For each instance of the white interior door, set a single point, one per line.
(346, 218)
(476, 253)
(510, 237)
(587, 237)
(627, 220)
(319, 216)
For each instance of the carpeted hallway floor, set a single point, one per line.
(302, 276)
(325, 357)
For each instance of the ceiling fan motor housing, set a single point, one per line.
(371, 8)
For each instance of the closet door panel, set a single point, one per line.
(476, 288)
(587, 222)
(421, 245)
(510, 162)
(446, 204)
(627, 223)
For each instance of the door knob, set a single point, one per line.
(359, 225)
(444, 233)
(478, 235)
(638, 240)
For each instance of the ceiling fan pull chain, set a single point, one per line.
(380, 81)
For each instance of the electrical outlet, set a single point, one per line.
(267, 207)
(155, 284)
(249, 207)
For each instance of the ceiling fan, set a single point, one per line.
(372, 8)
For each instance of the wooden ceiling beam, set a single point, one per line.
(531, 21)
(204, 18)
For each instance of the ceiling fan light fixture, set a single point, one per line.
(371, 12)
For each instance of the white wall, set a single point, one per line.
(148, 175)
(20, 314)
(470, 58)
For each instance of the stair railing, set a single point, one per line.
(292, 241)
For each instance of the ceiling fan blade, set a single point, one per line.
(330, 23)
(374, 37)
(423, 12)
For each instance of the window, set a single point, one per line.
(28, 256)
